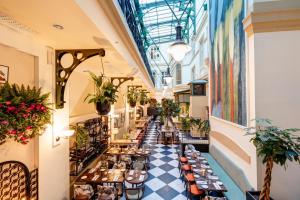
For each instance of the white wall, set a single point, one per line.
(277, 97)
(53, 161)
(21, 71)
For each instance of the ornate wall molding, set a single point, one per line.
(231, 145)
(273, 21)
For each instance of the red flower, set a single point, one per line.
(25, 115)
(12, 132)
(28, 127)
(8, 102)
(11, 108)
(4, 122)
(22, 105)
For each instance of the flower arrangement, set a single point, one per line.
(24, 112)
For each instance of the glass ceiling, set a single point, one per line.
(158, 19)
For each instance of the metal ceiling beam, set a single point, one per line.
(163, 23)
(161, 3)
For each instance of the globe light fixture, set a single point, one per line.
(179, 48)
(168, 77)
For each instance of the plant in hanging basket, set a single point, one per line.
(105, 94)
(143, 98)
(132, 97)
(274, 145)
(24, 112)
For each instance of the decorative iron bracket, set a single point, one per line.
(62, 74)
(120, 80)
(133, 87)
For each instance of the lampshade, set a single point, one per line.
(179, 48)
(67, 132)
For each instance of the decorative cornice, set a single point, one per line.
(273, 21)
(231, 145)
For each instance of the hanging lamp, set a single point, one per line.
(179, 48)
(168, 77)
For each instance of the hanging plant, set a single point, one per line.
(132, 97)
(24, 112)
(105, 94)
(143, 97)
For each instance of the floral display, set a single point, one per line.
(24, 112)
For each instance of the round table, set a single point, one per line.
(136, 178)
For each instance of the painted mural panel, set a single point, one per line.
(228, 65)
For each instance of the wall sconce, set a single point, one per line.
(65, 133)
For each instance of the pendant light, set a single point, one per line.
(168, 77)
(179, 48)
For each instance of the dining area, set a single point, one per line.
(118, 172)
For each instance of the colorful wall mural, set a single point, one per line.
(227, 63)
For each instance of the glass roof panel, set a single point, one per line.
(159, 18)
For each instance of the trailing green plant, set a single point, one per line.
(105, 91)
(143, 97)
(82, 135)
(24, 112)
(274, 145)
(132, 96)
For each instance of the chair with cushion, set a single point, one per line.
(107, 193)
(194, 192)
(134, 193)
(139, 165)
(83, 192)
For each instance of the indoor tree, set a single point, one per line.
(169, 109)
(274, 145)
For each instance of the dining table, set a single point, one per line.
(136, 177)
(98, 176)
(204, 176)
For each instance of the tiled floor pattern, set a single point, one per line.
(163, 182)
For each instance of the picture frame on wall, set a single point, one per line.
(4, 72)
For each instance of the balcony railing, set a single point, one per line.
(129, 11)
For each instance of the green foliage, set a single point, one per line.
(275, 143)
(170, 108)
(82, 135)
(132, 96)
(143, 97)
(105, 90)
(186, 123)
(24, 112)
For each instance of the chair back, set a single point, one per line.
(14, 181)
(134, 193)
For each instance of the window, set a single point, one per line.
(154, 53)
(193, 75)
(178, 73)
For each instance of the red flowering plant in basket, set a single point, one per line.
(24, 112)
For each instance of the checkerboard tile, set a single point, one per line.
(163, 182)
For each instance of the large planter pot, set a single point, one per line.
(253, 195)
(103, 108)
(132, 104)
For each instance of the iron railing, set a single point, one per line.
(129, 11)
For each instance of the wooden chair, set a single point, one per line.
(134, 193)
(193, 192)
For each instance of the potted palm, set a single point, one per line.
(143, 98)
(186, 124)
(105, 94)
(132, 97)
(274, 145)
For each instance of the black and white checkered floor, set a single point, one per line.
(163, 182)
